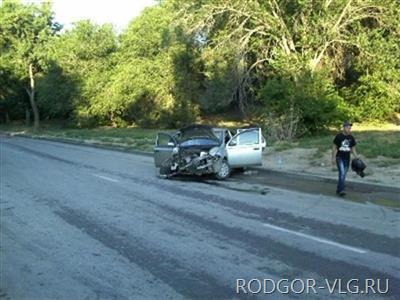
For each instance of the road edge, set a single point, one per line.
(82, 143)
(262, 170)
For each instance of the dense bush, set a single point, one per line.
(56, 103)
(311, 98)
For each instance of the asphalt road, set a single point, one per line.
(85, 223)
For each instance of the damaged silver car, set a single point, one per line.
(202, 149)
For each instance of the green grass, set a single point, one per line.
(130, 138)
(372, 141)
(375, 143)
(284, 145)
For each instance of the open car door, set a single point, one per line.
(165, 143)
(245, 148)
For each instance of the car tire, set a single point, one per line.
(165, 169)
(224, 172)
(159, 174)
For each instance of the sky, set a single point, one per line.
(117, 12)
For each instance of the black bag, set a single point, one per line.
(358, 166)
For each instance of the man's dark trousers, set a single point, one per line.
(343, 167)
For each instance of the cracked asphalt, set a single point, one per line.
(87, 223)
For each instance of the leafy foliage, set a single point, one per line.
(154, 84)
(85, 56)
(305, 55)
(376, 93)
(56, 103)
(312, 97)
(309, 64)
(25, 31)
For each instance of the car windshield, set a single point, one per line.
(219, 133)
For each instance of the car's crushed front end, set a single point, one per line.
(197, 151)
(198, 162)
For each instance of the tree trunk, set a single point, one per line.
(7, 118)
(27, 117)
(31, 93)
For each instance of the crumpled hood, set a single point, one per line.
(196, 132)
(197, 136)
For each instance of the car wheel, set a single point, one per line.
(160, 174)
(165, 169)
(224, 172)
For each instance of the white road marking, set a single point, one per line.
(105, 178)
(361, 251)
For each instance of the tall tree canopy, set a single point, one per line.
(153, 83)
(306, 63)
(315, 46)
(25, 30)
(84, 54)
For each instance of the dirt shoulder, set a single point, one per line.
(380, 170)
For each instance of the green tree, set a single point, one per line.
(56, 93)
(311, 100)
(12, 96)
(296, 41)
(83, 64)
(154, 82)
(374, 90)
(24, 33)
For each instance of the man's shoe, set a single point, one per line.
(341, 194)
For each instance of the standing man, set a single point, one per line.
(343, 144)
